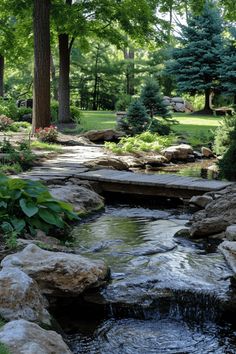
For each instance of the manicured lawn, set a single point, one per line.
(98, 120)
(189, 125)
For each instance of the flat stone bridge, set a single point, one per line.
(165, 185)
(72, 163)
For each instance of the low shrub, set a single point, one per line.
(26, 206)
(20, 156)
(9, 108)
(76, 114)
(222, 134)
(146, 141)
(227, 165)
(5, 122)
(137, 120)
(48, 134)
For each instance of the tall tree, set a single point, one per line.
(41, 97)
(195, 64)
(104, 19)
(227, 69)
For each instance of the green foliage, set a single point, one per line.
(27, 205)
(48, 134)
(136, 121)
(227, 165)
(159, 126)
(123, 102)
(21, 111)
(195, 63)
(227, 69)
(54, 107)
(153, 100)
(20, 126)
(4, 349)
(222, 137)
(75, 114)
(5, 122)
(18, 158)
(39, 145)
(146, 141)
(8, 108)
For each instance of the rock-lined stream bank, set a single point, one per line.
(166, 295)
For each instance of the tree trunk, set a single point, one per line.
(207, 107)
(64, 76)
(41, 100)
(129, 56)
(95, 87)
(1, 75)
(235, 99)
(54, 79)
(64, 79)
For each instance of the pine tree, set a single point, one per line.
(195, 64)
(136, 120)
(153, 100)
(227, 69)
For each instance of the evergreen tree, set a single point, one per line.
(195, 64)
(227, 164)
(136, 120)
(153, 100)
(227, 69)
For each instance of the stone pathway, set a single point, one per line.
(71, 163)
(68, 164)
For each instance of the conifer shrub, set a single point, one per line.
(137, 120)
(227, 164)
(222, 135)
(153, 100)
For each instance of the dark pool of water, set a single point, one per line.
(165, 296)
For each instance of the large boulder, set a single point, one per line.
(103, 135)
(108, 162)
(23, 337)
(84, 200)
(58, 273)
(230, 232)
(20, 297)
(201, 201)
(206, 152)
(217, 215)
(228, 248)
(178, 152)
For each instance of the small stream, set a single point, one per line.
(167, 294)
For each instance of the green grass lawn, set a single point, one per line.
(98, 120)
(189, 125)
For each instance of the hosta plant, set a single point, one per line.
(26, 206)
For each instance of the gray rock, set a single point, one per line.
(178, 152)
(23, 337)
(230, 232)
(201, 200)
(217, 215)
(109, 162)
(58, 273)
(206, 152)
(84, 200)
(228, 248)
(20, 297)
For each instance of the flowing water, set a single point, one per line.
(166, 294)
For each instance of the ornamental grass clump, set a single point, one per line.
(48, 134)
(27, 206)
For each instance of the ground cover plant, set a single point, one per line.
(26, 206)
(145, 142)
(16, 158)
